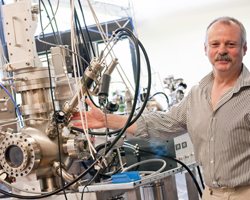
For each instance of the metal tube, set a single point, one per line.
(68, 178)
(111, 66)
(69, 105)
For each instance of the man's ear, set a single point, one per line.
(205, 48)
(244, 49)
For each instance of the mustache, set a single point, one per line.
(224, 57)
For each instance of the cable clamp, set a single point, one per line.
(105, 161)
(137, 150)
(182, 169)
(98, 166)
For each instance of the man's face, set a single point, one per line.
(224, 48)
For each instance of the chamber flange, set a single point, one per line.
(19, 154)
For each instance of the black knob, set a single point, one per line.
(112, 106)
(60, 116)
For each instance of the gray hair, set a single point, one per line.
(228, 21)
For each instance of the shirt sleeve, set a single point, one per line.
(161, 126)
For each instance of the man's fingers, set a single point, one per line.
(77, 116)
(78, 124)
(90, 103)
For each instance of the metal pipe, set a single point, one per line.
(70, 105)
(91, 75)
(68, 178)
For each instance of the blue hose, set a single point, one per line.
(19, 114)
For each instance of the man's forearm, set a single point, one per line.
(116, 122)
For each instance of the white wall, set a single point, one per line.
(173, 33)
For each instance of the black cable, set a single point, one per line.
(146, 96)
(128, 32)
(53, 104)
(56, 39)
(185, 166)
(59, 35)
(201, 179)
(160, 93)
(80, 29)
(91, 133)
(89, 183)
(149, 82)
(101, 146)
(106, 129)
(91, 44)
(50, 193)
(77, 46)
(86, 167)
(14, 94)
(110, 164)
(86, 88)
(136, 89)
(81, 66)
(138, 160)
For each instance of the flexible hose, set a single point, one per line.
(185, 166)
(147, 94)
(162, 94)
(148, 161)
(201, 179)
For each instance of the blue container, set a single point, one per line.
(126, 177)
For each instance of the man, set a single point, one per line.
(216, 114)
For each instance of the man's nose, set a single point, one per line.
(222, 50)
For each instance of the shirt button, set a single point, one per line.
(214, 183)
(212, 161)
(212, 139)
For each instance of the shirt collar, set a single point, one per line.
(242, 81)
(206, 80)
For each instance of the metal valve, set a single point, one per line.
(112, 106)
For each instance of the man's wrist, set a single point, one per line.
(104, 120)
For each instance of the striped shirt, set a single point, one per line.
(221, 138)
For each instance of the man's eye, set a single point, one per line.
(214, 44)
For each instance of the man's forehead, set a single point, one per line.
(218, 28)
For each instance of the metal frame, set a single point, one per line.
(132, 185)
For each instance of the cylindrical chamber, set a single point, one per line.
(49, 184)
(49, 150)
(35, 88)
(62, 91)
(36, 96)
(153, 191)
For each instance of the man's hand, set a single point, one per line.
(95, 117)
